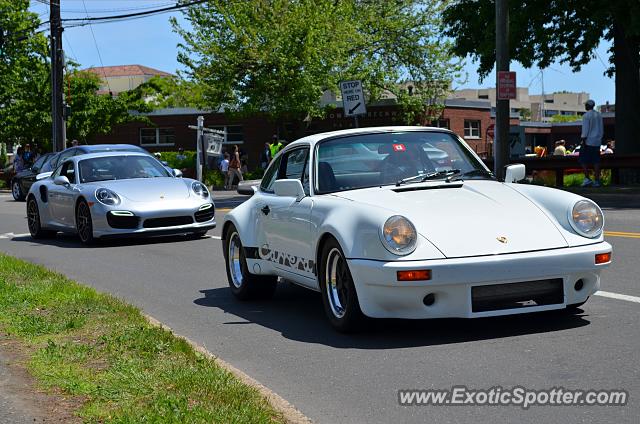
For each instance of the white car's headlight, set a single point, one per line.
(586, 218)
(200, 189)
(107, 197)
(398, 235)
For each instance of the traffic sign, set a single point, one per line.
(506, 85)
(352, 98)
(491, 131)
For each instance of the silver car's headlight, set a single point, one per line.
(200, 189)
(586, 218)
(398, 235)
(107, 197)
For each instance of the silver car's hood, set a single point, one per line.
(149, 189)
(477, 218)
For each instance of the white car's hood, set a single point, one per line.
(149, 189)
(469, 220)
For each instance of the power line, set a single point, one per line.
(104, 73)
(130, 15)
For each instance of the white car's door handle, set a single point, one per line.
(265, 210)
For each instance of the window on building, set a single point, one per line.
(440, 123)
(471, 128)
(157, 136)
(483, 96)
(234, 134)
(548, 100)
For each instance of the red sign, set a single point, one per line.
(506, 85)
(491, 130)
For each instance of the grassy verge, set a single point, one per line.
(97, 348)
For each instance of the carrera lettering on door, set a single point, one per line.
(289, 261)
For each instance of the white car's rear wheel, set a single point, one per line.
(243, 284)
(339, 295)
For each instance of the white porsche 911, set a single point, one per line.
(407, 222)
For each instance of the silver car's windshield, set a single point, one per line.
(120, 168)
(370, 160)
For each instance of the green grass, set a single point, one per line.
(103, 351)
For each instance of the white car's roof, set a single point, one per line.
(315, 138)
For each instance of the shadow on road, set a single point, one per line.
(71, 241)
(297, 314)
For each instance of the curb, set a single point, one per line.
(277, 402)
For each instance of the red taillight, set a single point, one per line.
(415, 275)
(603, 258)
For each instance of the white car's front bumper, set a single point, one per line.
(382, 296)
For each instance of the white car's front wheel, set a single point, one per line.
(243, 284)
(338, 291)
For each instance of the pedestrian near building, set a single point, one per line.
(276, 146)
(608, 149)
(592, 132)
(234, 166)
(18, 160)
(265, 156)
(560, 150)
(224, 168)
(27, 156)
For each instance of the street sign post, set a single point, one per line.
(506, 85)
(353, 99)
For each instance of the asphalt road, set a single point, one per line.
(286, 343)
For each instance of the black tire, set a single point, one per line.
(84, 223)
(16, 191)
(34, 223)
(244, 285)
(339, 298)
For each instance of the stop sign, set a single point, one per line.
(491, 130)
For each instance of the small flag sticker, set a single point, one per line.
(399, 148)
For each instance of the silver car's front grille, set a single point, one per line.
(171, 221)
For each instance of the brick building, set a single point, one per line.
(169, 130)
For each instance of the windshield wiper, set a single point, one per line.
(474, 172)
(429, 176)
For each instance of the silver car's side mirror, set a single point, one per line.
(514, 173)
(289, 188)
(43, 175)
(61, 180)
(177, 173)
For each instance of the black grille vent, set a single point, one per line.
(172, 221)
(123, 221)
(496, 297)
(205, 215)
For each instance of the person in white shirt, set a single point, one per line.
(592, 132)
(224, 168)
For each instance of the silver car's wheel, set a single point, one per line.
(234, 259)
(336, 282)
(16, 191)
(33, 221)
(84, 225)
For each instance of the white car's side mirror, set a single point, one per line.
(61, 180)
(43, 175)
(177, 173)
(514, 173)
(289, 188)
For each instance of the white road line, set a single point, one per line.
(618, 296)
(216, 237)
(12, 235)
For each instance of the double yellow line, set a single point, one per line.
(622, 234)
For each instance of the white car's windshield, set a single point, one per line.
(120, 168)
(371, 160)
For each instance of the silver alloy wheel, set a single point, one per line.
(84, 222)
(15, 190)
(33, 217)
(336, 279)
(234, 256)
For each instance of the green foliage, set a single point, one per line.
(3, 154)
(103, 352)
(565, 118)
(213, 178)
(254, 175)
(278, 57)
(171, 92)
(189, 160)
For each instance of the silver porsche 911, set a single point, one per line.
(112, 194)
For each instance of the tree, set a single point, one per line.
(171, 92)
(279, 56)
(570, 31)
(565, 118)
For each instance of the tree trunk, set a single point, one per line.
(627, 64)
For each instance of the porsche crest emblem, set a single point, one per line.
(502, 239)
(162, 196)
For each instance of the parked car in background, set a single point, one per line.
(94, 148)
(100, 195)
(421, 230)
(22, 181)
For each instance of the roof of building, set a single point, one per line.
(126, 71)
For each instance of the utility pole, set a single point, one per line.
(501, 142)
(57, 85)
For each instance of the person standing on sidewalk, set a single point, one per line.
(234, 166)
(592, 132)
(224, 168)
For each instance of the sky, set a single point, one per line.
(151, 42)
